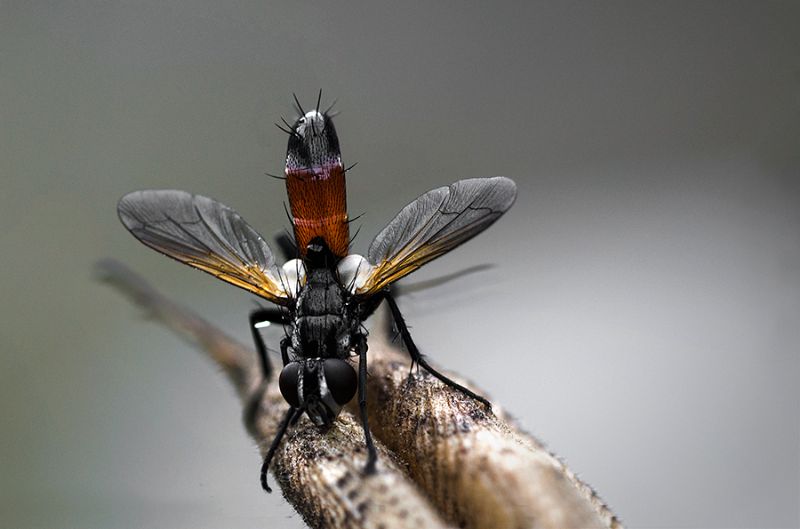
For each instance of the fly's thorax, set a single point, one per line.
(320, 386)
(327, 312)
(324, 317)
(321, 294)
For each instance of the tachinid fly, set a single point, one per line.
(325, 293)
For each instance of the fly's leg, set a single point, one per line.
(272, 315)
(290, 417)
(258, 317)
(372, 454)
(417, 357)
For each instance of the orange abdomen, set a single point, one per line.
(318, 202)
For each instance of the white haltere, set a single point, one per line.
(293, 276)
(354, 270)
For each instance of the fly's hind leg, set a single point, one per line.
(417, 357)
(372, 454)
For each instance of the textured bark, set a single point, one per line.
(443, 458)
(477, 468)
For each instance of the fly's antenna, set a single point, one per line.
(276, 177)
(319, 98)
(298, 105)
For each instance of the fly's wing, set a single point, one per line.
(434, 224)
(206, 235)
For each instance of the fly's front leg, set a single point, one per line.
(257, 319)
(417, 357)
(290, 418)
(372, 454)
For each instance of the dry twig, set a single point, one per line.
(443, 458)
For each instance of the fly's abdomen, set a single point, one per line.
(315, 182)
(319, 206)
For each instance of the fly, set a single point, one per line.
(325, 293)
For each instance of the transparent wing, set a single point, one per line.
(206, 235)
(434, 224)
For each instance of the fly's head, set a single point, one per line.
(320, 386)
(313, 143)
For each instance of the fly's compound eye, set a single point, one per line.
(341, 379)
(288, 382)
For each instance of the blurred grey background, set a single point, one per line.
(642, 316)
